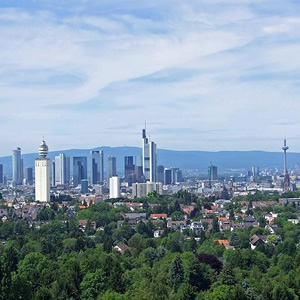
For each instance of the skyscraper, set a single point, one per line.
(138, 169)
(68, 170)
(84, 186)
(286, 184)
(160, 174)
(53, 182)
(149, 158)
(42, 175)
(129, 170)
(212, 172)
(95, 166)
(101, 166)
(28, 176)
(62, 169)
(16, 167)
(79, 169)
(178, 176)
(111, 167)
(22, 170)
(255, 174)
(168, 176)
(1, 174)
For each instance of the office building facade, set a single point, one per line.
(129, 170)
(111, 169)
(53, 182)
(149, 158)
(29, 176)
(62, 169)
(97, 166)
(114, 187)
(79, 169)
(212, 173)
(1, 174)
(16, 167)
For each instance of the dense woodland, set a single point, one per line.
(57, 260)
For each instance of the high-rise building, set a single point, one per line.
(53, 182)
(16, 167)
(212, 172)
(42, 175)
(97, 166)
(254, 174)
(101, 166)
(138, 169)
(168, 176)
(79, 169)
(129, 170)
(178, 176)
(62, 169)
(68, 170)
(160, 173)
(111, 167)
(149, 158)
(1, 174)
(114, 187)
(22, 170)
(28, 176)
(84, 186)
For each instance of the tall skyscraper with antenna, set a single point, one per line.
(149, 158)
(286, 184)
(42, 175)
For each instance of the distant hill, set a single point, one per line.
(182, 159)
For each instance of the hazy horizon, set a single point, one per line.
(128, 146)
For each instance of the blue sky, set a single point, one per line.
(206, 75)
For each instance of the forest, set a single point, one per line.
(56, 259)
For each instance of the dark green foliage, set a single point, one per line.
(281, 292)
(227, 275)
(198, 275)
(235, 240)
(215, 225)
(176, 273)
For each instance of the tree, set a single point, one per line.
(238, 293)
(32, 267)
(177, 216)
(234, 240)
(220, 292)
(92, 284)
(198, 275)
(227, 275)
(281, 292)
(215, 225)
(210, 260)
(176, 273)
(143, 229)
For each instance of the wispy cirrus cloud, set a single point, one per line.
(215, 71)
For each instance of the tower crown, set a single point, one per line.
(43, 149)
(285, 147)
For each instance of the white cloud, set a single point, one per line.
(201, 64)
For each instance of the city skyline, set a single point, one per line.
(206, 75)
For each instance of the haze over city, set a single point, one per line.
(206, 75)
